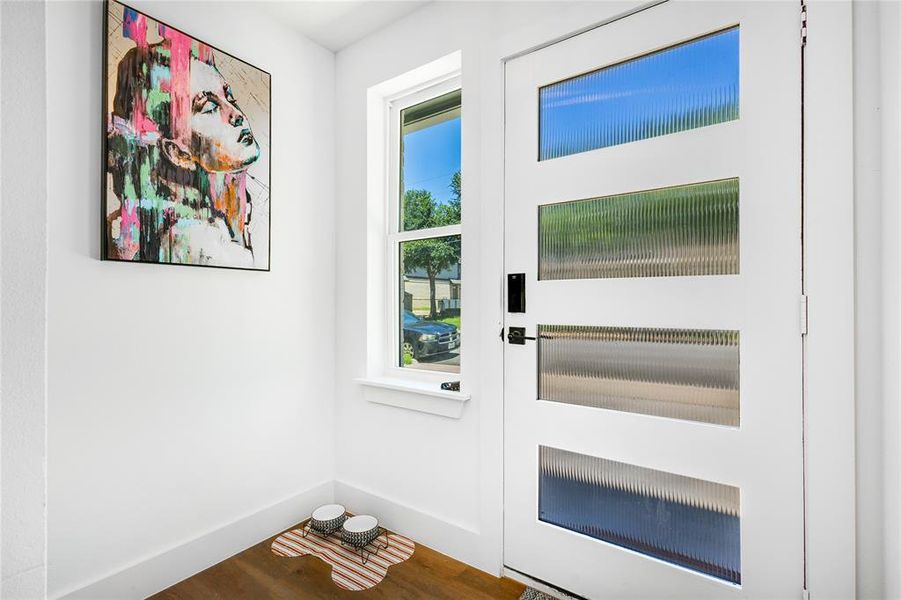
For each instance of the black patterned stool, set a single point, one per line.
(326, 520)
(362, 533)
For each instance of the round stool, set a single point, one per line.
(361, 531)
(326, 520)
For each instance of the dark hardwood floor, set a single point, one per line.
(258, 573)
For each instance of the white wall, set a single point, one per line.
(868, 215)
(889, 102)
(181, 400)
(23, 227)
(436, 478)
(877, 26)
(422, 469)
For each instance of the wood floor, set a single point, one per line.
(258, 573)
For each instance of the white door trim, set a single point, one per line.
(829, 284)
(829, 276)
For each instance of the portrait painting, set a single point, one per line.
(186, 152)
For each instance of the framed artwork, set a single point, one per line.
(186, 149)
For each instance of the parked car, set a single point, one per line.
(427, 338)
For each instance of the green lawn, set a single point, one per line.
(455, 321)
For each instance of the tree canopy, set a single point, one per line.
(433, 255)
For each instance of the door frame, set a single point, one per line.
(828, 279)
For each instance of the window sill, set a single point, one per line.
(418, 396)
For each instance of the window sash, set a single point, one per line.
(425, 234)
(395, 234)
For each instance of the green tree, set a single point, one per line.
(432, 255)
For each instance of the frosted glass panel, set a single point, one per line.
(691, 85)
(689, 374)
(683, 230)
(682, 520)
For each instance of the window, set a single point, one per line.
(424, 237)
(683, 87)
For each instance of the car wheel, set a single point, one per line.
(408, 349)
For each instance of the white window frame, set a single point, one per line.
(383, 377)
(395, 236)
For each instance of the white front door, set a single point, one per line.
(652, 205)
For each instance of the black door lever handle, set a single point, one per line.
(517, 335)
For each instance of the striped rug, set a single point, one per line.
(348, 570)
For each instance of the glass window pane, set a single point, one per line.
(690, 374)
(691, 85)
(430, 163)
(682, 230)
(681, 520)
(430, 304)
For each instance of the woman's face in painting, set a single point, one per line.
(221, 139)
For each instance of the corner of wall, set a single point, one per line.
(155, 573)
(23, 308)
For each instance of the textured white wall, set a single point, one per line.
(23, 229)
(181, 399)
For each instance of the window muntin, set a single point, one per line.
(425, 236)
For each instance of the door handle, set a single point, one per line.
(517, 335)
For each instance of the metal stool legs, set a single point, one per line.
(365, 554)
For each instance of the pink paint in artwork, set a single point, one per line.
(215, 188)
(134, 27)
(179, 82)
(142, 124)
(204, 53)
(129, 230)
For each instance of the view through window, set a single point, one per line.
(430, 335)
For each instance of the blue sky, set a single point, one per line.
(672, 90)
(431, 157)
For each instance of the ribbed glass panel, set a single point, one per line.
(683, 230)
(691, 85)
(682, 520)
(689, 374)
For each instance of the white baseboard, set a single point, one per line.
(453, 539)
(158, 572)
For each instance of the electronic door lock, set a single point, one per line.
(516, 292)
(517, 335)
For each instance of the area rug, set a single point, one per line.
(533, 594)
(348, 570)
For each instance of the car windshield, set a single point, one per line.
(410, 318)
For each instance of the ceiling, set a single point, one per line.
(336, 24)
